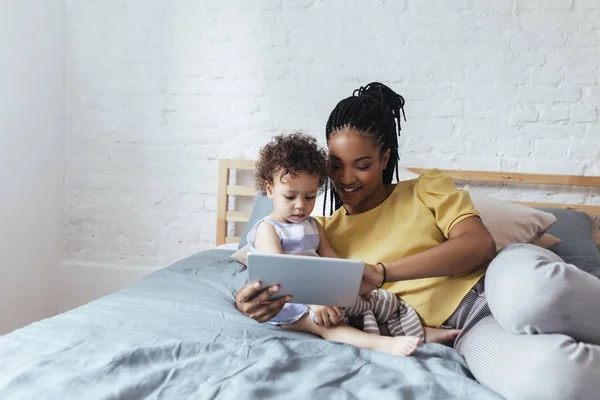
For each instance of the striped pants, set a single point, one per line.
(384, 308)
(531, 329)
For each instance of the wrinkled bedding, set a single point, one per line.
(176, 335)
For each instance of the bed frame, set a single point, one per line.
(225, 215)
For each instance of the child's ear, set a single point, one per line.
(269, 190)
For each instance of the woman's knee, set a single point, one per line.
(523, 284)
(520, 265)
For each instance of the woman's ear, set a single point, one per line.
(385, 158)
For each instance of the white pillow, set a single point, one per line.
(510, 222)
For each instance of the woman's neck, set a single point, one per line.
(376, 199)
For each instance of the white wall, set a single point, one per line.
(32, 157)
(159, 90)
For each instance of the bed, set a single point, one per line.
(176, 333)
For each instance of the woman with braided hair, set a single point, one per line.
(529, 321)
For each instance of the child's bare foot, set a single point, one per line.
(439, 335)
(398, 346)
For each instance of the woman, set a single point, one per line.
(530, 322)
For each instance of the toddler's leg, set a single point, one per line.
(370, 324)
(409, 321)
(342, 333)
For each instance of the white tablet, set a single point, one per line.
(309, 280)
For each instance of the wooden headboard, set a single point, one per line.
(225, 215)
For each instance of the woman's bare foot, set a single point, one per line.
(439, 335)
(398, 346)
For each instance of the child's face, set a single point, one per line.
(293, 196)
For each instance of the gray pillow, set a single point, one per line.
(578, 247)
(262, 207)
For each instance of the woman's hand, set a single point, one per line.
(256, 304)
(372, 277)
(327, 315)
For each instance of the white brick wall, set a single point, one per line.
(158, 91)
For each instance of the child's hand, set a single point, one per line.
(327, 315)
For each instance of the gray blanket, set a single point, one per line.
(176, 335)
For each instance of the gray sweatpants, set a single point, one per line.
(531, 330)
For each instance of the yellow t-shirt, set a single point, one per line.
(416, 216)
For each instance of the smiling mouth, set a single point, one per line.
(349, 190)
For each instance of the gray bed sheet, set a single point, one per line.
(177, 335)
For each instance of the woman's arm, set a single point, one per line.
(469, 247)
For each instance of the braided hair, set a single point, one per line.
(374, 110)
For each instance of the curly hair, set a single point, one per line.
(290, 154)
